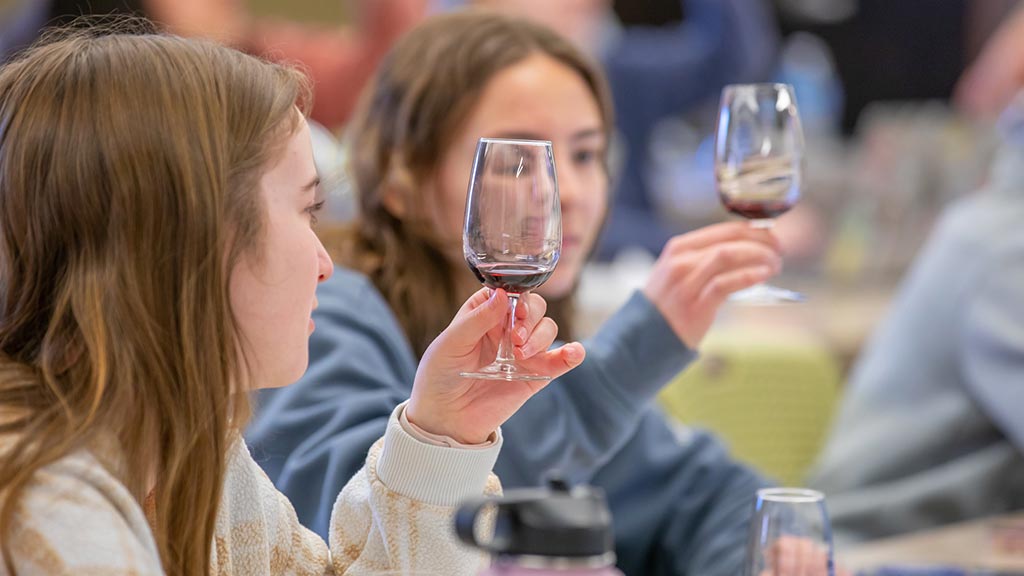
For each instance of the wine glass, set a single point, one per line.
(759, 153)
(790, 534)
(513, 231)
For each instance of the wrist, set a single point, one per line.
(435, 426)
(673, 318)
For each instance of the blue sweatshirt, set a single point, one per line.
(680, 505)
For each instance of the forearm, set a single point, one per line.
(578, 422)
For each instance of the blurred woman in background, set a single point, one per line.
(681, 505)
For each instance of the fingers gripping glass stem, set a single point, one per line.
(512, 235)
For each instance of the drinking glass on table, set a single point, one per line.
(790, 534)
(759, 154)
(512, 234)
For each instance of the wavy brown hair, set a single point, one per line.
(421, 96)
(129, 165)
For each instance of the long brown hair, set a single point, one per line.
(423, 93)
(129, 165)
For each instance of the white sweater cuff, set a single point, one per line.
(432, 474)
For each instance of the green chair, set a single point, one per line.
(771, 401)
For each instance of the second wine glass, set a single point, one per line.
(512, 234)
(759, 155)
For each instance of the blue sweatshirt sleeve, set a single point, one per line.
(598, 404)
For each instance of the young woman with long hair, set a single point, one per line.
(158, 262)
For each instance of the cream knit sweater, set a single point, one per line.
(77, 518)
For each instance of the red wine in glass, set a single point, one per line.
(512, 278)
(756, 209)
(759, 190)
(759, 151)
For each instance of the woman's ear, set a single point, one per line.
(398, 189)
(394, 202)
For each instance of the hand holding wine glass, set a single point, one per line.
(698, 270)
(513, 231)
(466, 409)
(759, 154)
(511, 240)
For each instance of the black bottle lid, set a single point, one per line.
(555, 521)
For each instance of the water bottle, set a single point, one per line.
(551, 531)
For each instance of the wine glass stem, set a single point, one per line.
(763, 223)
(505, 347)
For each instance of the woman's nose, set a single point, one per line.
(325, 266)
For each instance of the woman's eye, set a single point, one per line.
(584, 156)
(313, 210)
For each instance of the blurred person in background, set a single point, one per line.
(938, 387)
(994, 79)
(681, 505)
(339, 59)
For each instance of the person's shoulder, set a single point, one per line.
(991, 215)
(75, 514)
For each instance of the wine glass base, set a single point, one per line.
(764, 295)
(502, 371)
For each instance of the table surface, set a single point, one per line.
(967, 545)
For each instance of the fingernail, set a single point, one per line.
(572, 353)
